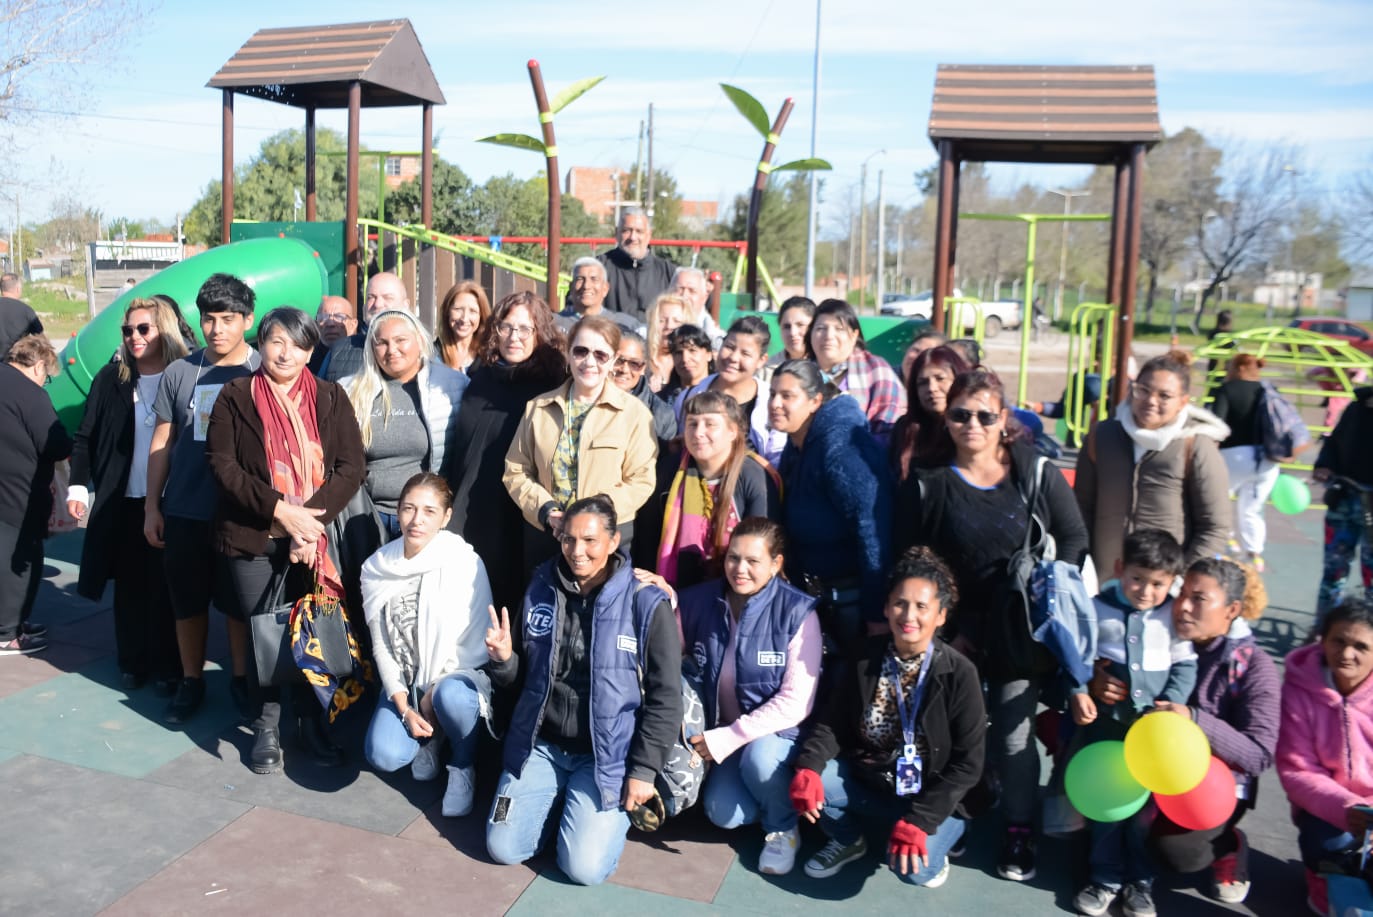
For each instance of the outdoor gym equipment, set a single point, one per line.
(1091, 348)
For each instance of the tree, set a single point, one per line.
(783, 220)
(1357, 219)
(265, 189)
(452, 196)
(1315, 247)
(1180, 176)
(1239, 227)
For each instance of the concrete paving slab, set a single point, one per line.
(687, 858)
(271, 862)
(19, 673)
(89, 837)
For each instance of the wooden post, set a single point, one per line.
(555, 195)
(1130, 276)
(351, 253)
(226, 175)
(943, 233)
(1115, 256)
(427, 169)
(310, 211)
(755, 203)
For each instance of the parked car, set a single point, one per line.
(1347, 331)
(1002, 313)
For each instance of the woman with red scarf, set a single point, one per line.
(286, 452)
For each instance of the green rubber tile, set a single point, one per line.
(687, 858)
(552, 894)
(83, 718)
(82, 838)
(270, 862)
(20, 673)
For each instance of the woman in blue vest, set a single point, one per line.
(586, 621)
(902, 735)
(756, 641)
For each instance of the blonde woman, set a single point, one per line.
(111, 456)
(666, 315)
(461, 324)
(407, 409)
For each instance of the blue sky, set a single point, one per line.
(1253, 71)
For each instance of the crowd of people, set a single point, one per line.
(555, 527)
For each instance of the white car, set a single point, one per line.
(1005, 313)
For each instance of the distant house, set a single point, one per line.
(400, 169)
(1358, 299)
(1279, 290)
(601, 192)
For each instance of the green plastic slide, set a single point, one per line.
(282, 272)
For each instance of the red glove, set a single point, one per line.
(807, 792)
(907, 844)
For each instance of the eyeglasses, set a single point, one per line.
(634, 366)
(335, 318)
(602, 357)
(1144, 393)
(518, 332)
(961, 416)
(142, 328)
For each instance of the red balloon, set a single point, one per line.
(1206, 806)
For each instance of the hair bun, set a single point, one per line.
(1181, 356)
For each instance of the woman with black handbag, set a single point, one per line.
(286, 453)
(972, 509)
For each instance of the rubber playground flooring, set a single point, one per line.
(111, 811)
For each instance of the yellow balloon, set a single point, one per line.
(1167, 752)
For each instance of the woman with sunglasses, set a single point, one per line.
(585, 437)
(111, 456)
(521, 355)
(1156, 464)
(971, 509)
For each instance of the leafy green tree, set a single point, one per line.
(453, 201)
(265, 189)
(782, 223)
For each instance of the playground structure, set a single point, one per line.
(1054, 114)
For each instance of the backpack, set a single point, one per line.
(1281, 432)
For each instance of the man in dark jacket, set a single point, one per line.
(636, 275)
(16, 318)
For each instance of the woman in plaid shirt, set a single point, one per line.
(837, 342)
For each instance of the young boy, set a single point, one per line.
(1136, 641)
(180, 508)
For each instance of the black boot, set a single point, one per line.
(316, 742)
(266, 756)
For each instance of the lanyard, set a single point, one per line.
(908, 714)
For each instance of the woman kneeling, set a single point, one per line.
(756, 640)
(426, 598)
(911, 725)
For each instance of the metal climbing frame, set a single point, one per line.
(1091, 348)
(955, 311)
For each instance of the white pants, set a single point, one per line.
(1251, 484)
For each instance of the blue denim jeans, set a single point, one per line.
(847, 796)
(457, 706)
(753, 784)
(1319, 840)
(1120, 850)
(1344, 535)
(590, 840)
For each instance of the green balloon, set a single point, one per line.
(1099, 784)
(1291, 495)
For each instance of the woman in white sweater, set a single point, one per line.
(425, 597)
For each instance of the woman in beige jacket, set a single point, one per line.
(1155, 465)
(585, 437)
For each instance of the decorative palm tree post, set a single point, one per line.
(549, 147)
(756, 115)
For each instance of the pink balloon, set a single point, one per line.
(1206, 806)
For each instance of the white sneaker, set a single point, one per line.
(940, 877)
(779, 853)
(425, 767)
(457, 799)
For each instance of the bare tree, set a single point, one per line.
(1240, 226)
(1357, 220)
(1181, 177)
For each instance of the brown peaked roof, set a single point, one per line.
(314, 65)
(1044, 113)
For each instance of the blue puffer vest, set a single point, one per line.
(770, 619)
(619, 630)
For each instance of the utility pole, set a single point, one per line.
(863, 231)
(853, 219)
(1062, 254)
(900, 244)
(638, 173)
(1291, 246)
(649, 198)
(814, 194)
(881, 242)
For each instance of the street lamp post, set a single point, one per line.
(814, 209)
(1062, 253)
(1291, 246)
(863, 229)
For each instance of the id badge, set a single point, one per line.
(203, 404)
(908, 772)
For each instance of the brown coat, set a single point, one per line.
(1182, 489)
(616, 455)
(237, 454)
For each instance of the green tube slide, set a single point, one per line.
(282, 272)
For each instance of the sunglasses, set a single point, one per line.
(602, 357)
(634, 366)
(963, 415)
(142, 328)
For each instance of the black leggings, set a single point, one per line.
(21, 571)
(1182, 850)
(252, 580)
